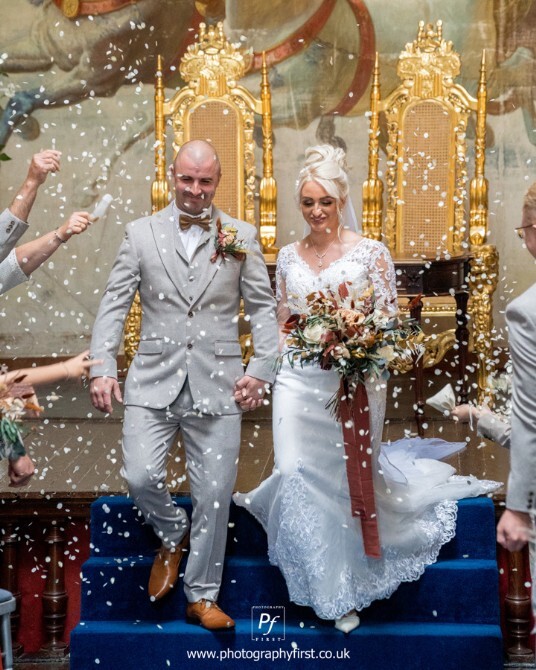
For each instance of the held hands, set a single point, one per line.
(249, 392)
(43, 163)
(514, 530)
(78, 222)
(20, 471)
(102, 389)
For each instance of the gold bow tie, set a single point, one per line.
(186, 221)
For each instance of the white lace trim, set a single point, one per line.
(303, 558)
(368, 260)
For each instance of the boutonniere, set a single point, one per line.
(227, 244)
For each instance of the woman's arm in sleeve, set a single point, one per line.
(283, 311)
(383, 277)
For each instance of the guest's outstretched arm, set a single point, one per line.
(73, 368)
(33, 254)
(41, 164)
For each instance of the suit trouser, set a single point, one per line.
(212, 445)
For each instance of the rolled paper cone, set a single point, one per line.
(102, 206)
(444, 400)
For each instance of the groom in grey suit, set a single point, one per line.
(187, 373)
(516, 524)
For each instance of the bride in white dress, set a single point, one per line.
(304, 505)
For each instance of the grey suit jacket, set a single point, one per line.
(189, 315)
(521, 320)
(11, 229)
(11, 274)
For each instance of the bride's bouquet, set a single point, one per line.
(346, 330)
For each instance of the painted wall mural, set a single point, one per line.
(80, 76)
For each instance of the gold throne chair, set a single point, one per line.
(212, 106)
(426, 187)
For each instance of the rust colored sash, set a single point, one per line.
(356, 432)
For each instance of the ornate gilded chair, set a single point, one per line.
(435, 252)
(214, 107)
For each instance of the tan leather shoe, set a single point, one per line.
(165, 570)
(209, 615)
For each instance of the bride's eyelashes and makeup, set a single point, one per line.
(318, 210)
(318, 207)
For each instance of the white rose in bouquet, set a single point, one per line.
(313, 334)
(381, 319)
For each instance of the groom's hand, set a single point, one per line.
(249, 392)
(514, 529)
(102, 389)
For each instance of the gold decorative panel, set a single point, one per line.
(432, 209)
(218, 122)
(424, 210)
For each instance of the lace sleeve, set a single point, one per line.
(383, 277)
(283, 311)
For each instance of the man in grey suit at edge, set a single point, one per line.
(516, 525)
(187, 373)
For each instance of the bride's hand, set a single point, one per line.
(249, 392)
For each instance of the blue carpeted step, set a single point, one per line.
(115, 589)
(117, 529)
(475, 531)
(446, 620)
(373, 646)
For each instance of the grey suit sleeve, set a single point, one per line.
(260, 306)
(492, 428)
(11, 229)
(115, 304)
(522, 480)
(11, 274)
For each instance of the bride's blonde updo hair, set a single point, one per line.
(325, 165)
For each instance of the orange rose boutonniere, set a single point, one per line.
(226, 243)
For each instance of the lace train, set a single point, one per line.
(304, 504)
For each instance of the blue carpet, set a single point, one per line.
(448, 620)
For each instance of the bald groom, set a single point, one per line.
(187, 370)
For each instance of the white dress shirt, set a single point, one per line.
(190, 237)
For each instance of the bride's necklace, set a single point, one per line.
(321, 256)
